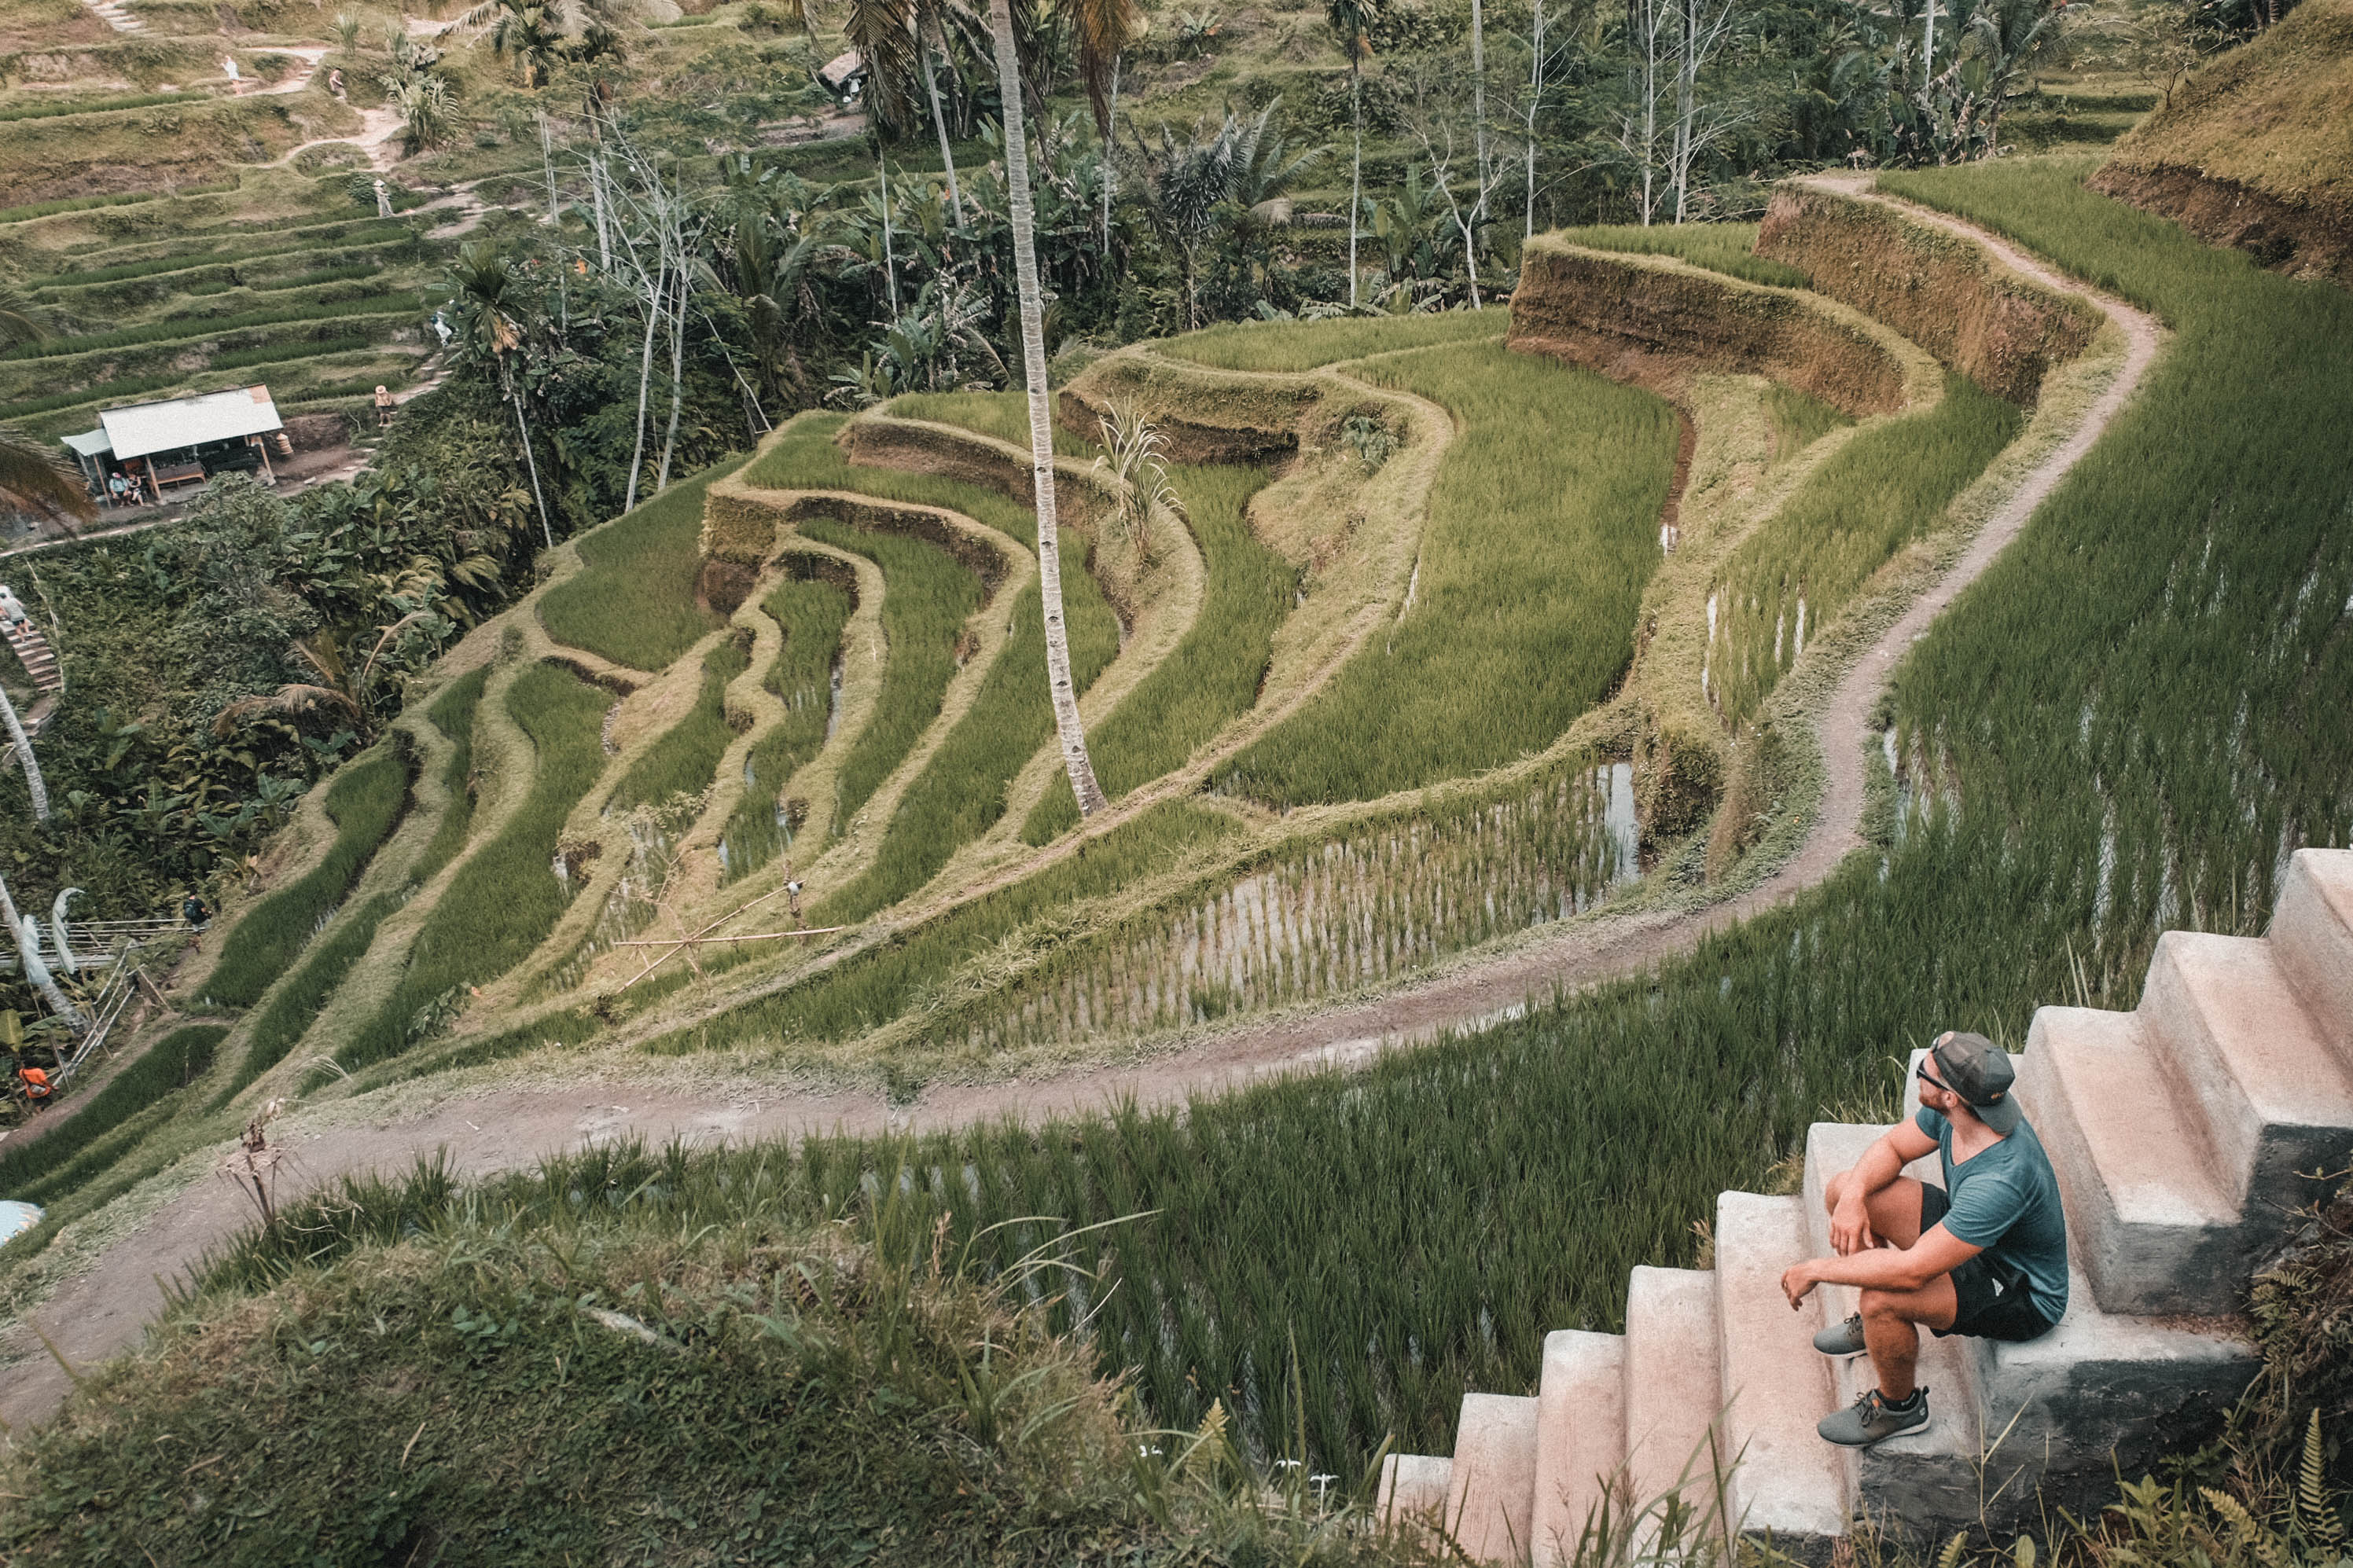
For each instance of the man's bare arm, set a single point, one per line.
(1936, 1253)
(1880, 1165)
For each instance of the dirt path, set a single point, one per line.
(102, 1312)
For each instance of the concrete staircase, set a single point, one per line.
(116, 15)
(2178, 1132)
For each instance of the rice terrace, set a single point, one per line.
(1407, 781)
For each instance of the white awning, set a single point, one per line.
(89, 443)
(167, 426)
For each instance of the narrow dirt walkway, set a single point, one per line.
(102, 1312)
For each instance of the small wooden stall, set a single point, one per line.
(157, 448)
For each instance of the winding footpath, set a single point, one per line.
(103, 1311)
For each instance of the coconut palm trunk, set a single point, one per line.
(1073, 734)
(29, 965)
(1355, 160)
(34, 785)
(940, 126)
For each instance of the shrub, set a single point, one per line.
(365, 801)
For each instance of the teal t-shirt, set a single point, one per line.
(2004, 1199)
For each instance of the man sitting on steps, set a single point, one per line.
(1985, 1256)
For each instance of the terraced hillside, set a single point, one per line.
(804, 700)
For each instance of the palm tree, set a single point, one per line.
(491, 324)
(1072, 733)
(1352, 22)
(1104, 28)
(36, 973)
(532, 34)
(33, 476)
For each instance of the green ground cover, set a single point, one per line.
(1719, 247)
(504, 899)
(633, 599)
(1799, 421)
(452, 713)
(1213, 675)
(1304, 346)
(683, 759)
(226, 251)
(294, 1005)
(2137, 702)
(1543, 530)
(364, 802)
(180, 328)
(57, 1163)
(863, 993)
(1004, 415)
(1875, 495)
(812, 613)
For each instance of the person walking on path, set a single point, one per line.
(1984, 1256)
(198, 914)
(235, 82)
(382, 406)
(335, 80)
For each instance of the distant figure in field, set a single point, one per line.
(36, 1083)
(118, 490)
(382, 406)
(13, 613)
(335, 80)
(198, 914)
(1983, 1255)
(382, 200)
(235, 82)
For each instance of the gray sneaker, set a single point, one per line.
(1842, 1339)
(1872, 1420)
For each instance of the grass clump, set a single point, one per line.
(633, 601)
(1214, 674)
(178, 328)
(1879, 492)
(1543, 530)
(1723, 247)
(364, 802)
(1799, 421)
(55, 1163)
(863, 993)
(812, 613)
(1306, 345)
(504, 900)
(682, 760)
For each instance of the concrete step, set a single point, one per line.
(2236, 1042)
(1674, 1392)
(1580, 1441)
(1493, 1481)
(1413, 1489)
(2146, 1207)
(2312, 938)
(1776, 1384)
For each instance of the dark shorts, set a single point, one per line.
(1994, 1300)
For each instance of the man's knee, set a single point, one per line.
(1892, 1306)
(1834, 1189)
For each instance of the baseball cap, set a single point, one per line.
(1978, 1071)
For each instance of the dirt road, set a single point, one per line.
(102, 1311)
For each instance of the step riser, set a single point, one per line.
(2312, 936)
(1581, 1440)
(1494, 1479)
(2261, 1148)
(1674, 1384)
(1776, 1384)
(2135, 1266)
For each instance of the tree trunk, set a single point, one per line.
(1073, 734)
(677, 373)
(890, 260)
(1355, 162)
(597, 195)
(940, 124)
(1110, 169)
(530, 461)
(547, 162)
(29, 965)
(655, 289)
(1535, 100)
(34, 785)
(1478, 105)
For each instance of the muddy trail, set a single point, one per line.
(102, 1311)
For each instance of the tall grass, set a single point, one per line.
(1214, 674)
(452, 713)
(683, 759)
(179, 328)
(1306, 345)
(1543, 530)
(505, 900)
(1004, 415)
(1876, 494)
(1719, 247)
(56, 1162)
(2139, 711)
(1799, 421)
(633, 600)
(863, 993)
(364, 802)
(213, 248)
(812, 613)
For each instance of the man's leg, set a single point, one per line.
(1892, 1321)
(1895, 1209)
